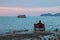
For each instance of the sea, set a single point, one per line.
(11, 23)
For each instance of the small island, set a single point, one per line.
(49, 14)
(21, 16)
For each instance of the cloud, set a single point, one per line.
(28, 11)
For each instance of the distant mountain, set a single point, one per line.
(49, 14)
(57, 14)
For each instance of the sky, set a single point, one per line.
(28, 7)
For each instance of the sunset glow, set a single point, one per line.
(14, 10)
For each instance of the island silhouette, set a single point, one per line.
(21, 16)
(49, 14)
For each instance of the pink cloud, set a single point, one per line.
(14, 11)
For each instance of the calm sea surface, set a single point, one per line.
(10, 23)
